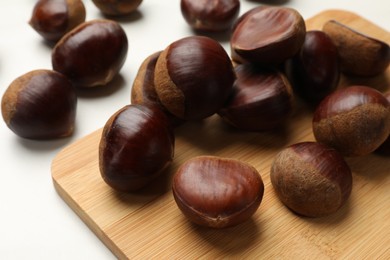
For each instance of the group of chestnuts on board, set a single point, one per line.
(273, 58)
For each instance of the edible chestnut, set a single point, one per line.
(92, 53)
(267, 35)
(261, 99)
(354, 120)
(360, 54)
(53, 18)
(210, 15)
(217, 192)
(311, 179)
(117, 7)
(143, 90)
(40, 104)
(385, 146)
(136, 145)
(193, 77)
(314, 71)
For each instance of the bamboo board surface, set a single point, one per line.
(148, 224)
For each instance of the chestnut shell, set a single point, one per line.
(92, 53)
(311, 179)
(314, 71)
(117, 7)
(206, 15)
(217, 192)
(193, 77)
(52, 19)
(354, 120)
(136, 145)
(267, 35)
(261, 99)
(40, 104)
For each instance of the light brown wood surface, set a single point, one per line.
(148, 224)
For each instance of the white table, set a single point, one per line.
(35, 223)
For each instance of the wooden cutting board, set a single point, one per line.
(149, 225)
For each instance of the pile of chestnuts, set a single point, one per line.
(252, 89)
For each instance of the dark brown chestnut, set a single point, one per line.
(354, 120)
(136, 145)
(210, 15)
(385, 146)
(143, 90)
(193, 77)
(360, 54)
(40, 104)
(311, 179)
(53, 18)
(267, 35)
(217, 192)
(117, 7)
(92, 53)
(314, 71)
(261, 99)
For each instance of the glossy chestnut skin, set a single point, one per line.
(136, 145)
(210, 15)
(92, 53)
(314, 71)
(193, 77)
(354, 120)
(261, 99)
(40, 104)
(267, 35)
(143, 90)
(53, 18)
(360, 54)
(217, 192)
(311, 179)
(117, 7)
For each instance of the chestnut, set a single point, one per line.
(267, 35)
(92, 53)
(261, 99)
(217, 192)
(193, 77)
(314, 71)
(40, 104)
(354, 120)
(385, 146)
(311, 179)
(143, 90)
(136, 145)
(360, 54)
(53, 18)
(117, 7)
(210, 15)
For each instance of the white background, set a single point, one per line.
(35, 223)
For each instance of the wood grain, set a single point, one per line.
(148, 224)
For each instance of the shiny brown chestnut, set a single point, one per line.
(136, 145)
(143, 90)
(193, 77)
(210, 15)
(267, 35)
(311, 179)
(52, 19)
(385, 146)
(314, 71)
(354, 120)
(261, 99)
(217, 192)
(117, 7)
(360, 54)
(40, 104)
(92, 53)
